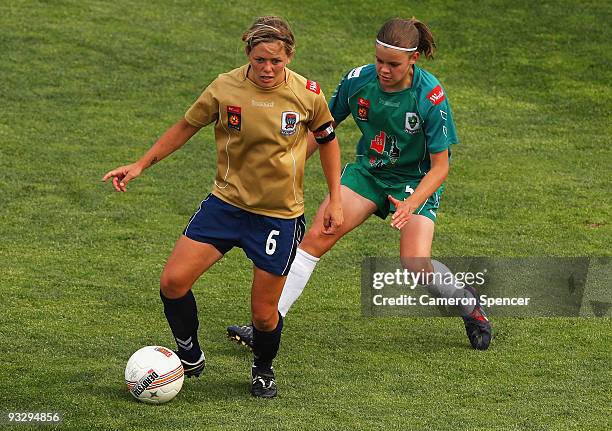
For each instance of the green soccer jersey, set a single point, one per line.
(399, 130)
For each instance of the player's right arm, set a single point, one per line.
(172, 139)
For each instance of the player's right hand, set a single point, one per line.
(122, 175)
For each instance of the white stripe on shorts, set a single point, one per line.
(194, 215)
(292, 244)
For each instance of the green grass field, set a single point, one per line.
(86, 86)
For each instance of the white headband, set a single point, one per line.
(399, 48)
(269, 26)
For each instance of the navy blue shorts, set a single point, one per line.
(269, 242)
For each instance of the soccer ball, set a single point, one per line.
(154, 375)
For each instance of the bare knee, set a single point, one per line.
(265, 318)
(417, 265)
(173, 286)
(316, 243)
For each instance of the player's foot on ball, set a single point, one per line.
(263, 384)
(478, 327)
(241, 334)
(193, 368)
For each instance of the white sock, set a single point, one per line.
(299, 274)
(446, 286)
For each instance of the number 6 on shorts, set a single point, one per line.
(271, 242)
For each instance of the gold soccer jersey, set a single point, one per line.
(261, 139)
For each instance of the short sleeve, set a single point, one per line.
(321, 114)
(205, 109)
(338, 104)
(439, 126)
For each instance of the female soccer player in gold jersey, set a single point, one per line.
(262, 113)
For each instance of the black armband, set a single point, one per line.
(325, 133)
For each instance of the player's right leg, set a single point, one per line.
(356, 209)
(188, 261)
(208, 235)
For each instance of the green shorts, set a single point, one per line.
(358, 179)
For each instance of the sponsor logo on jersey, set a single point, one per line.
(412, 123)
(388, 103)
(436, 96)
(233, 117)
(376, 163)
(363, 107)
(289, 121)
(313, 86)
(386, 146)
(258, 104)
(378, 143)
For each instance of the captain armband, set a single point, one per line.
(325, 133)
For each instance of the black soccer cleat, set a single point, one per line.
(478, 328)
(263, 384)
(241, 334)
(193, 369)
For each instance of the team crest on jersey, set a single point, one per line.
(234, 120)
(412, 124)
(363, 107)
(289, 122)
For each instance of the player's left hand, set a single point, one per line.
(403, 212)
(332, 218)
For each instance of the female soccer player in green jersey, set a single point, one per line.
(402, 162)
(262, 113)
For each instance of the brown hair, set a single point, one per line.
(408, 33)
(269, 29)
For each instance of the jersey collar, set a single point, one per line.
(245, 72)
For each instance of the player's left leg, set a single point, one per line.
(416, 238)
(267, 328)
(271, 244)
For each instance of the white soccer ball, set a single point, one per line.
(154, 374)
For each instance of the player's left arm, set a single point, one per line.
(329, 153)
(428, 185)
(311, 142)
(311, 146)
(323, 131)
(440, 134)
(338, 107)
